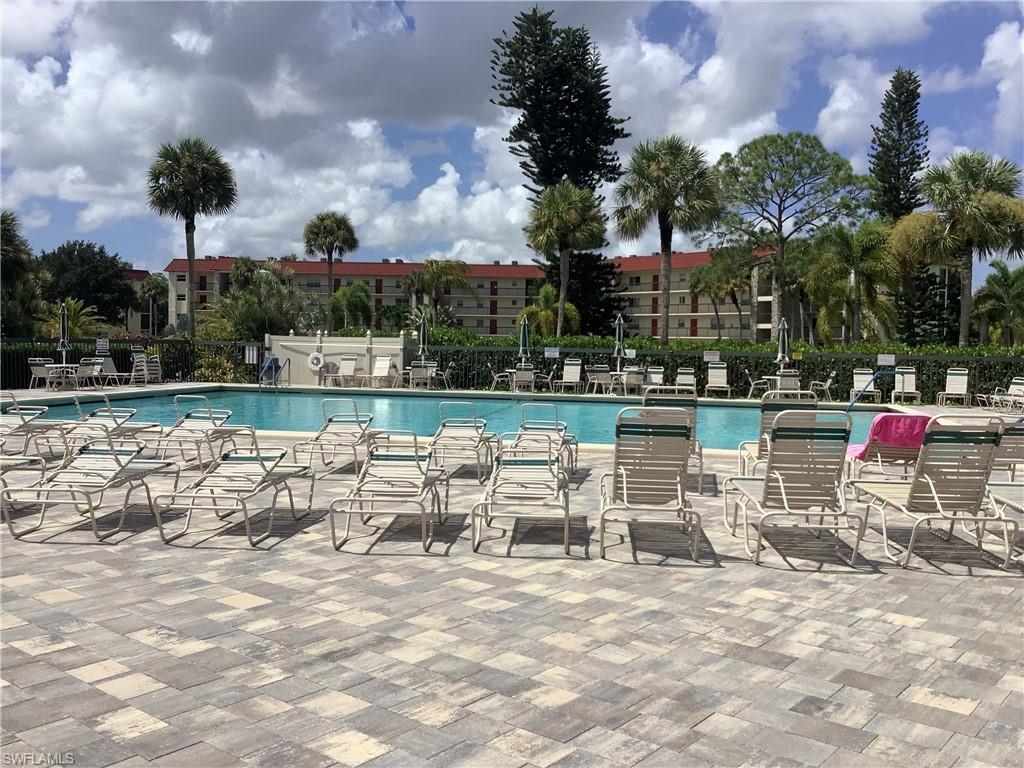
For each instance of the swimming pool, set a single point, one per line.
(718, 426)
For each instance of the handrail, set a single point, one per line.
(276, 375)
(867, 386)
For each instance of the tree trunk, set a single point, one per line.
(966, 296)
(857, 306)
(563, 288)
(665, 231)
(739, 312)
(778, 289)
(190, 294)
(330, 293)
(755, 281)
(718, 320)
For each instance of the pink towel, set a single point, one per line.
(899, 430)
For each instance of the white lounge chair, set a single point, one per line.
(231, 483)
(648, 478)
(542, 419)
(345, 376)
(527, 482)
(382, 373)
(345, 430)
(686, 399)
(823, 389)
(686, 377)
(949, 485)
(21, 422)
(753, 453)
(655, 376)
(599, 377)
(421, 374)
(879, 456)
(524, 378)
(760, 386)
(955, 389)
(199, 426)
(631, 381)
(396, 479)
(462, 435)
(1010, 400)
(499, 377)
(572, 372)
(82, 479)
(1009, 458)
(862, 382)
(789, 381)
(40, 374)
(88, 373)
(1015, 389)
(19, 463)
(801, 485)
(110, 421)
(905, 386)
(718, 380)
(138, 376)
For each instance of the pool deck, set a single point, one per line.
(207, 652)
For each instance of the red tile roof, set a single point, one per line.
(649, 263)
(361, 268)
(652, 263)
(136, 274)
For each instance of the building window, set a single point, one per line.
(398, 283)
(313, 284)
(634, 279)
(682, 300)
(202, 299)
(479, 323)
(513, 302)
(458, 303)
(180, 278)
(458, 322)
(514, 283)
(479, 305)
(680, 323)
(181, 297)
(479, 285)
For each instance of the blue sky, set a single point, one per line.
(382, 110)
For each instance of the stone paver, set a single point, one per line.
(210, 653)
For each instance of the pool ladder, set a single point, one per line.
(272, 372)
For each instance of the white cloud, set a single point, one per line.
(192, 41)
(857, 91)
(1003, 61)
(35, 218)
(33, 27)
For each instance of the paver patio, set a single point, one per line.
(209, 653)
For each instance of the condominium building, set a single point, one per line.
(497, 292)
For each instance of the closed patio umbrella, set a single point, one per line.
(524, 340)
(620, 333)
(62, 345)
(423, 336)
(783, 357)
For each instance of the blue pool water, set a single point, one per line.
(718, 426)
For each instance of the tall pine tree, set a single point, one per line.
(553, 75)
(899, 148)
(593, 289)
(899, 152)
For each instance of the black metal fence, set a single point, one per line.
(180, 359)
(474, 365)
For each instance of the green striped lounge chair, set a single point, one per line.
(862, 382)
(528, 481)
(1009, 458)
(231, 484)
(95, 423)
(82, 479)
(344, 432)
(754, 453)
(684, 398)
(718, 380)
(461, 435)
(949, 486)
(21, 421)
(955, 389)
(542, 418)
(801, 487)
(648, 478)
(398, 479)
(199, 426)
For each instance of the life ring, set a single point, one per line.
(315, 362)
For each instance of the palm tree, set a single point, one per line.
(565, 218)
(542, 315)
(667, 181)
(154, 290)
(849, 269)
(975, 215)
(83, 321)
(707, 280)
(191, 179)
(439, 277)
(393, 316)
(1001, 300)
(354, 303)
(331, 234)
(415, 288)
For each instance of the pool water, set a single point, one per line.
(718, 426)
